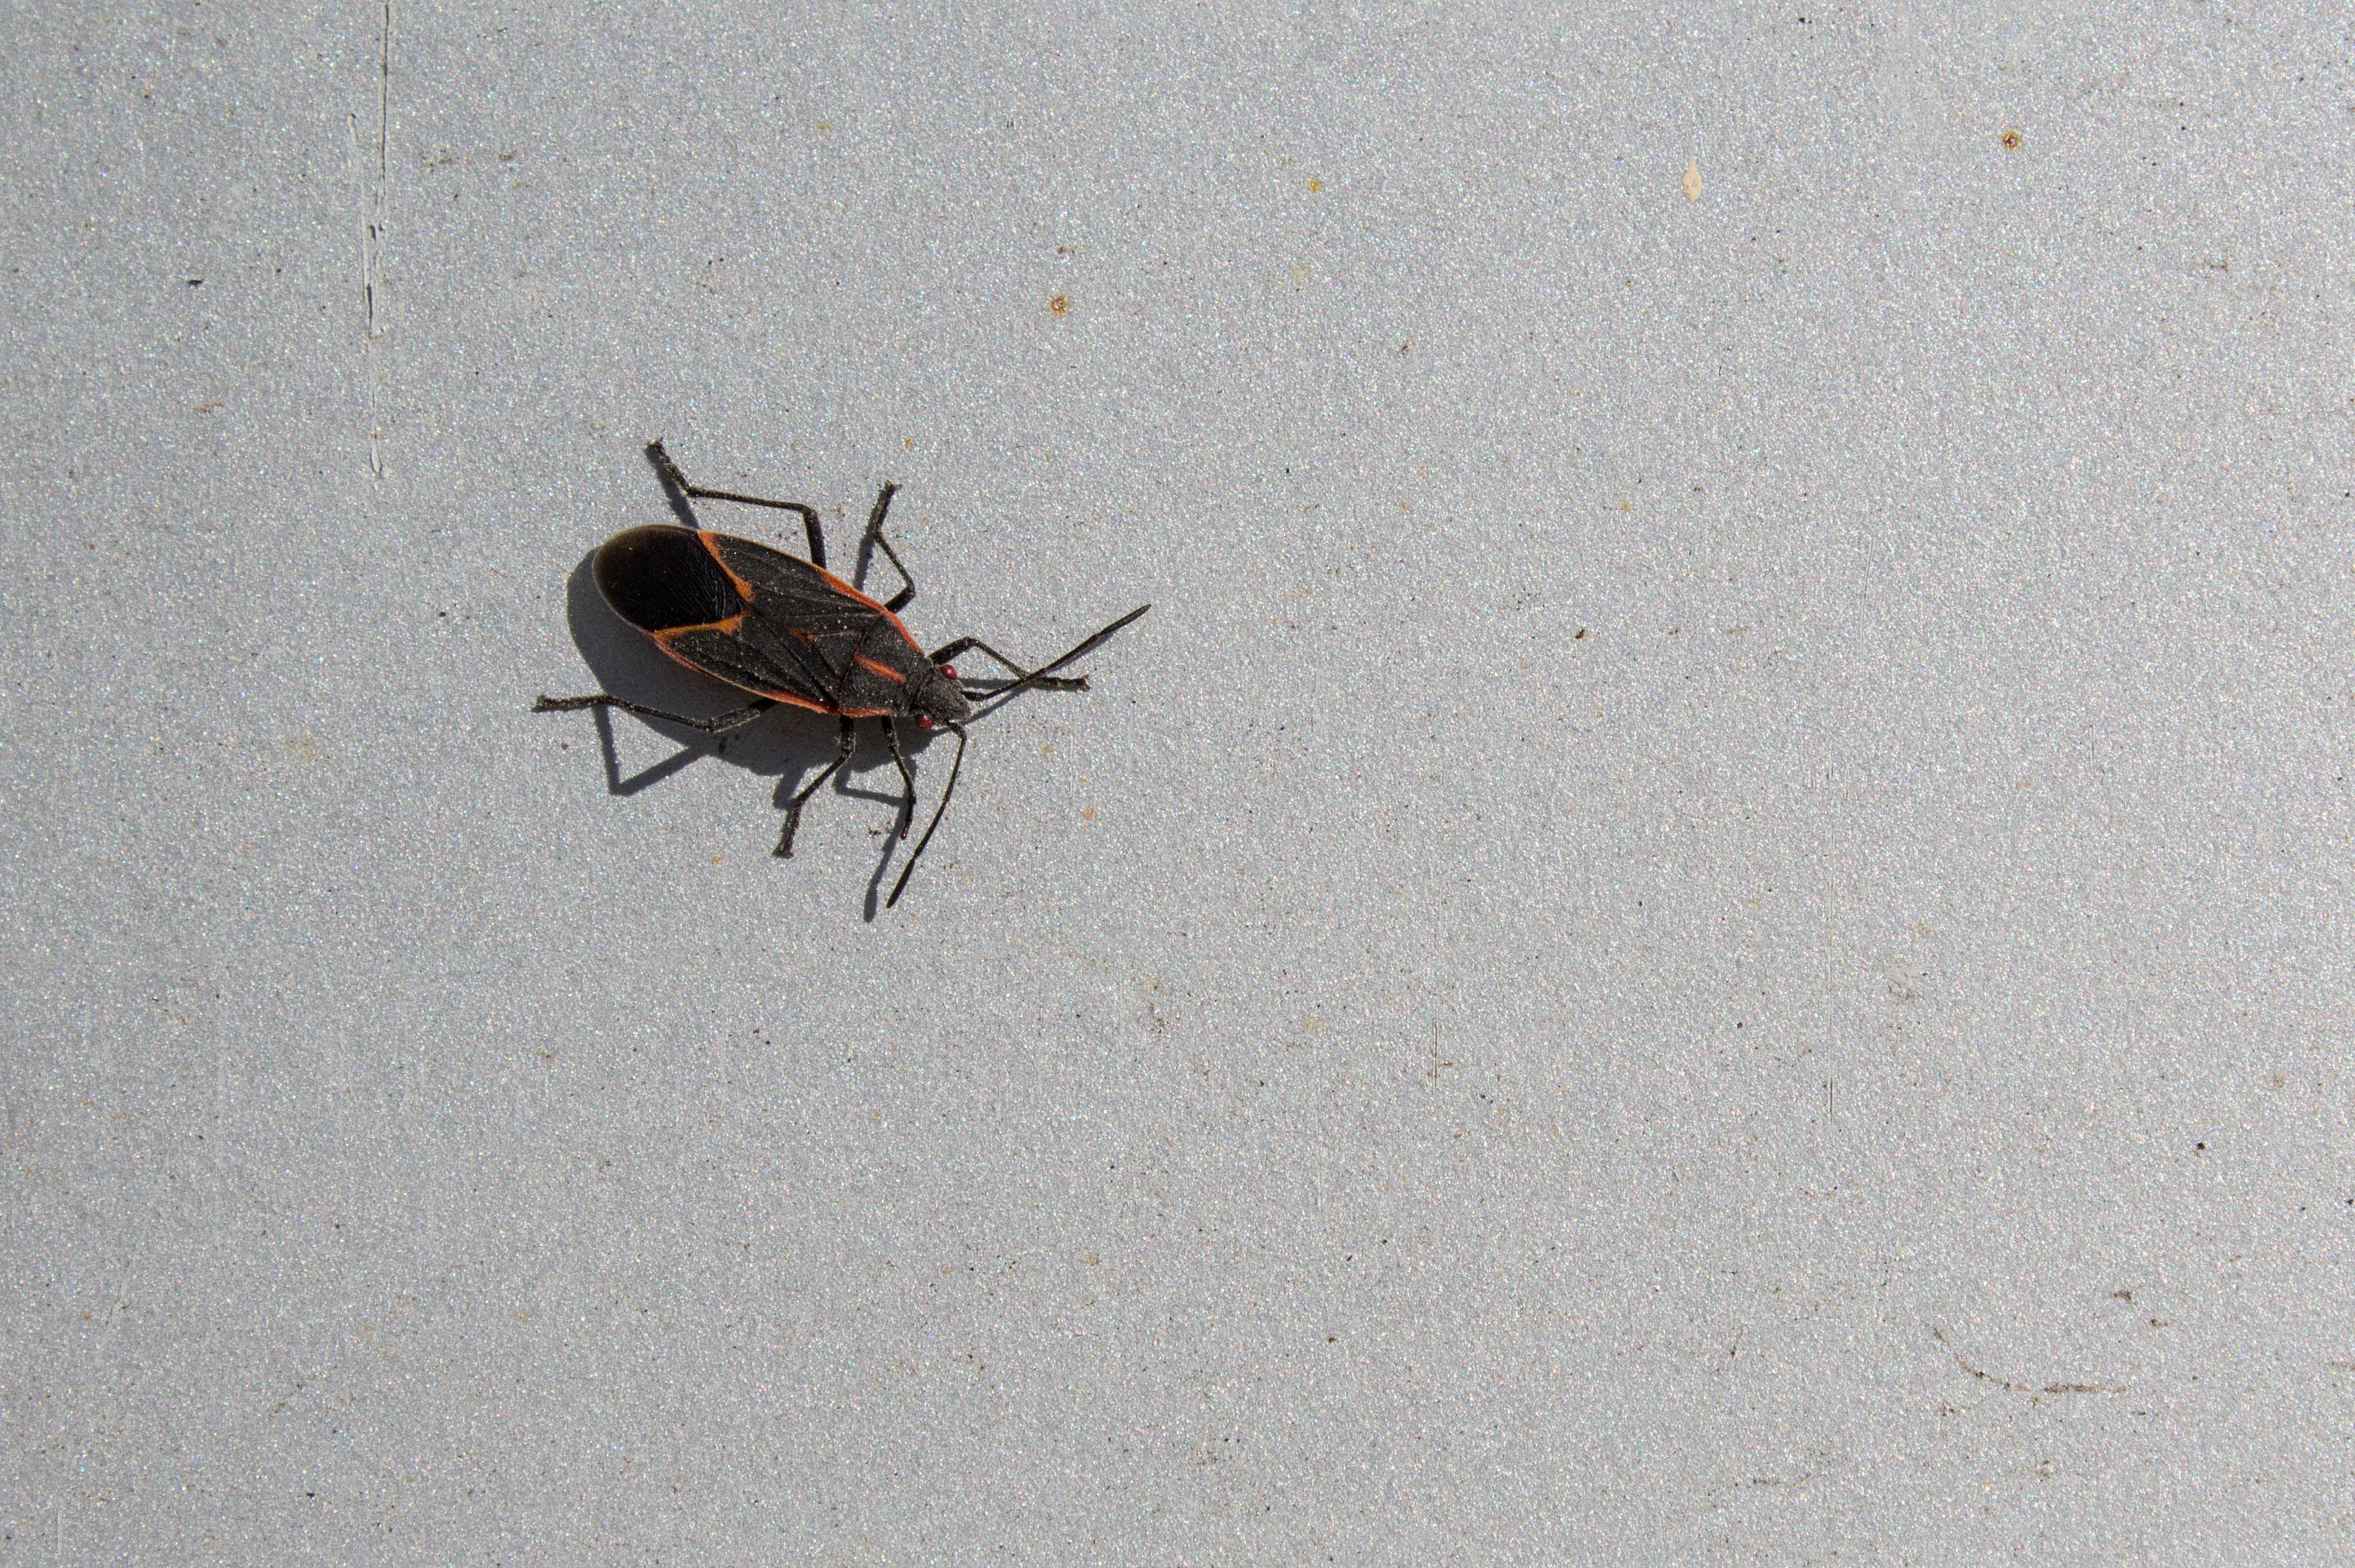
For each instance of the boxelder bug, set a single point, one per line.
(790, 632)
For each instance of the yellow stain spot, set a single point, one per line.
(1300, 273)
(715, 859)
(1693, 180)
(1088, 813)
(909, 443)
(1316, 184)
(1060, 303)
(1626, 505)
(2011, 140)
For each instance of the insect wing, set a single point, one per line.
(800, 604)
(666, 582)
(744, 653)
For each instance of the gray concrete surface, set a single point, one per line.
(1709, 923)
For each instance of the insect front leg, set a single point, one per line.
(1041, 682)
(715, 724)
(1040, 676)
(847, 744)
(670, 471)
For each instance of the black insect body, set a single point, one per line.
(790, 632)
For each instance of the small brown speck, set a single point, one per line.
(1316, 184)
(2010, 140)
(1089, 814)
(1582, 635)
(1060, 303)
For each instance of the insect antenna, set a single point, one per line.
(942, 810)
(996, 699)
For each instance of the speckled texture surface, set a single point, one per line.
(1709, 922)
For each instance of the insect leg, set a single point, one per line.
(874, 535)
(718, 722)
(1039, 677)
(964, 645)
(670, 471)
(907, 777)
(849, 743)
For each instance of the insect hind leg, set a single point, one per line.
(715, 724)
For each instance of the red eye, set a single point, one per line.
(949, 671)
(923, 720)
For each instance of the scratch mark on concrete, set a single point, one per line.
(372, 222)
(222, 1099)
(2007, 1384)
(372, 260)
(115, 1309)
